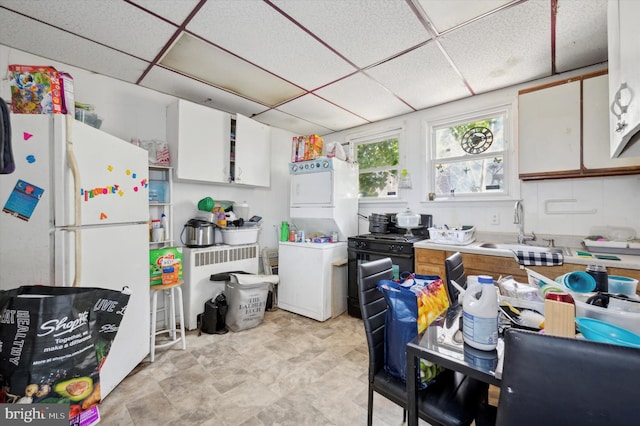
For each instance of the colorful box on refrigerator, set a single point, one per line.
(35, 90)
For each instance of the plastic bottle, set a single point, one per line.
(284, 231)
(480, 315)
(164, 223)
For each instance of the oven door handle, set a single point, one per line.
(381, 253)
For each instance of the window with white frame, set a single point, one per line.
(468, 155)
(378, 162)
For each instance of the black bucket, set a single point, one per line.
(213, 320)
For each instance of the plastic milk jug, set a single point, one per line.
(480, 314)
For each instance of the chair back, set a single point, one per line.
(374, 309)
(454, 269)
(554, 380)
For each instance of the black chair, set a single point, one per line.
(453, 399)
(549, 380)
(454, 269)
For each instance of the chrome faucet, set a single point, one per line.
(518, 218)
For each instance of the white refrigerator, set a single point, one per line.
(75, 212)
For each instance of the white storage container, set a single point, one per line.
(239, 236)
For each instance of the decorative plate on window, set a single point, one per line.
(476, 140)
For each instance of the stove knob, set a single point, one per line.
(294, 168)
(325, 164)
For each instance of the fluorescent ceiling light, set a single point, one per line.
(209, 64)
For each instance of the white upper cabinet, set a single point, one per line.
(624, 76)
(549, 130)
(564, 131)
(595, 129)
(198, 137)
(252, 162)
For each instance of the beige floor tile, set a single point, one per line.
(290, 370)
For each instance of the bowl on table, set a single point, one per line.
(604, 332)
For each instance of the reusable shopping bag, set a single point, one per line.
(412, 305)
(53, 342)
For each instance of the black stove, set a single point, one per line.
(393, 244)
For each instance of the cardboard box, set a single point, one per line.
(35, 90)
(161, 257)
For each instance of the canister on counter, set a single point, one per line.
(599, 273)
(300, 238)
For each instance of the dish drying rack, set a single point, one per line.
(462, 236)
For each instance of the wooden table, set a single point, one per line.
(442, 344)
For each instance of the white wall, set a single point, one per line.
(129, 111)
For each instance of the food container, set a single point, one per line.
(624, 285)
(408, 219)
(240, 235)
(628, 320)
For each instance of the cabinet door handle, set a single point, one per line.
(617, 109)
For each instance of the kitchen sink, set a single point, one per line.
(538, 249)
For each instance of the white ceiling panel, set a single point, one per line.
(364, 97)
(193, 57)
(443, 18)
(323, 113)
(174, 11)
(422, 78)
(113, 23)
(258, 33)
(582, 34)
(172, 83)
(505, 48)
(282, 120)
(25, 34)
(387, 27)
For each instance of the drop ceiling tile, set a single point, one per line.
(210, 64)
(172, 83)
(422, 78)
(363, 32)
(116, 24)
(258, 33)
(364, 97)
(445, 15)
(581, 34)
(505, 48)
(323, 113)
(174, 11)
(43, 40)
(285, 121)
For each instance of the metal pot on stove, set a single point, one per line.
(378, 223)
(199, 233)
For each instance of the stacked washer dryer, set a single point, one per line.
(324, 200)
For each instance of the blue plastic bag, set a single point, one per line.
(401, 326)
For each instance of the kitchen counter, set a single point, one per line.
(626, 261)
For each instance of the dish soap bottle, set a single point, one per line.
(164, 223)
(480, 315)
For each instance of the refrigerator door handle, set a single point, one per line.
(73, 166)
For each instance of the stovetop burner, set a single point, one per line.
(399, 238)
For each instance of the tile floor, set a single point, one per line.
(290, 370)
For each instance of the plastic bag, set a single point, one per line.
(53, 342)
(402, 321)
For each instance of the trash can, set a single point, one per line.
(247, 296)
(214, 316)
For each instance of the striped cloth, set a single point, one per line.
(535, 258)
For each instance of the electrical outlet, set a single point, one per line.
(495, 218)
